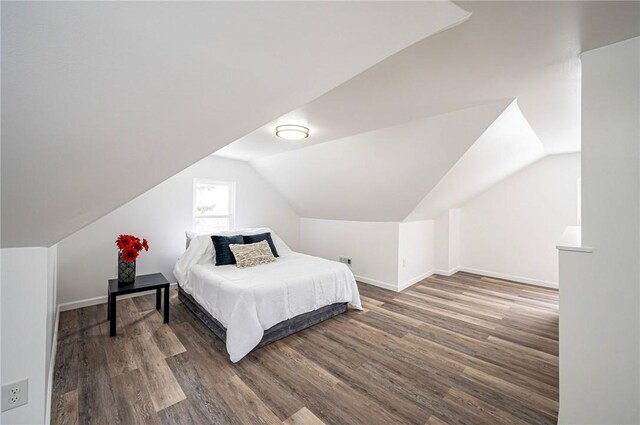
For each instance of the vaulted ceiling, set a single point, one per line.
(380, 147)
(508, 145)
(103, 100)
(380, 175)
(505, 50)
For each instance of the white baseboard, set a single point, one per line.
(378, 283)
(82, 303)
(415, 280)
(52, 363)
(402, 286)
(520, 279)
(446, 272)
(101, 300)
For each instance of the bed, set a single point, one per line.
(251, 307)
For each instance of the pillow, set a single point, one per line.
(248, 255)
(205, 238)
(249, 239)
(224, 255)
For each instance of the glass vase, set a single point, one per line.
(126, 271)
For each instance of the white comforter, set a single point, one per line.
(249, 301)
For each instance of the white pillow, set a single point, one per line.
(206, 252)
(279, 243)
(252, 254)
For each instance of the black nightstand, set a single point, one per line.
(145, 282)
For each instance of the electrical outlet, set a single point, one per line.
(404, 263)
(15, 394)
(345, 260)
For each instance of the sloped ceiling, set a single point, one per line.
(379, 175)
(506, 49)
(375, 155)
(507, 146)
(103, 100)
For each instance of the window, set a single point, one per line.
(213, 205)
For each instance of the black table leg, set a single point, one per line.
(108, 305)
(158, 291)
(112, 315)
(166, 304)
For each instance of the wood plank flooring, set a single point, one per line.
(464, 349)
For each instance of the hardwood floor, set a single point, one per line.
(464, 349)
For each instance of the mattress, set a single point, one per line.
(276, 332)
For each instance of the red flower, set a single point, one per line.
(124, 241)
(130, 246)
(129, 254)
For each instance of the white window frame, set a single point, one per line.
(232, 202)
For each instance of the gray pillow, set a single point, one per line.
(249, 255)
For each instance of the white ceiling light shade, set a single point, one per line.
(292, 132)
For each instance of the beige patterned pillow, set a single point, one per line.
(248, 255)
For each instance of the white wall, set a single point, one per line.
(415, 252)
(52, 281)
(391, 255)
(508, 231)
(27, 327)
(87, 259)
(441, 242)
(51, 323)
(511, 230)
(455, 233)
(372, 246)
(600, 291)
(447, 242)
(507, 146)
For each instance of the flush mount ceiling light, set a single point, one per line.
(292, 132)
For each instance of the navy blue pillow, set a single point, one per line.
(261, 237)
(224, 256)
